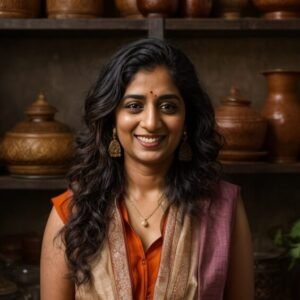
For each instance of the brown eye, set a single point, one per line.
(134, 107)
(169, 108)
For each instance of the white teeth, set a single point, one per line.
(148, 140)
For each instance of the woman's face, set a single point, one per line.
(150, 118)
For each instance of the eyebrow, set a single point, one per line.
(162, 97)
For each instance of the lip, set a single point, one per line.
(149, 141)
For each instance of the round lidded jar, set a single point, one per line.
(243, 129)
(39, 145)
(19, 9)
(73, 9)
(158, 8)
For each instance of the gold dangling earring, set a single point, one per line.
(185, 151)
(114, 148)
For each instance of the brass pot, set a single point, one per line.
(38, 146)
(19, 9)
(278, 9)
(67, 9)
(128, 9)
(243, 129)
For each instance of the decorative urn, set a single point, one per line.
(38, 146)
(128, 9)
(195, 8)
(278, 9)
(243, 129)
(158, 8)
(282, 111)
(230, 9)
(72, 9)
(19, 9)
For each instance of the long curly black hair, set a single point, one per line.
(96, 179)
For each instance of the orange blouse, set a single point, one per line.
(143, 265)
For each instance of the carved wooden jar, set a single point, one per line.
(158, 8)
(243, 129)
(128, 9)
(19, 8)
(66, 9)
(195, 8)
(38, 146)
(278, 9)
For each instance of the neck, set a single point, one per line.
(145, 182)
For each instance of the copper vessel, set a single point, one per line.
(195, 8)
(243, 129)
(282, 110)
(38, 146)
(61, 9)
(19, 9)
(278, 9)
(128, 9)
(230, 9)
(158, 8)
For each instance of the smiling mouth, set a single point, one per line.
(150, 141)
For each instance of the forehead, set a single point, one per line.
(157, 77)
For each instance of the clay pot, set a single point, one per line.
(243, 129)
(195, 8)
(230, 9)
(19, 9)
(157, 8)
(278, 9)
(282, 110)
(38, 146)
(128, 9)
(61, 9)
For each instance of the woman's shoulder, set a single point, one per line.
(62, 205)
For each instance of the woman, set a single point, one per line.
(146, 216)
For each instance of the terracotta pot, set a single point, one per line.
(282, 110)
(61, 9)
(158, 8)
(128, 9)
(40, 145)
(19, 9)
(195, 8)
(230, 9)
(278, 9)
(243, 129)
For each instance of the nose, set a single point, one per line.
(151, 120)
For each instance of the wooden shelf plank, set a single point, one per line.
(243, 25)
(254, 25)
(13, 183)
(97, 24)
(261, 168)
(8, 182)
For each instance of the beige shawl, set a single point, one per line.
(177, 276)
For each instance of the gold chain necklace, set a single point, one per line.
(145, 222)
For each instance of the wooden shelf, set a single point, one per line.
(8, 182)
(261, 168)
(13, 183)
(155, 27)
(247, 26)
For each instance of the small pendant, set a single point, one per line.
(145, 223)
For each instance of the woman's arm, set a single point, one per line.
(240, 282)
(54, 284)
